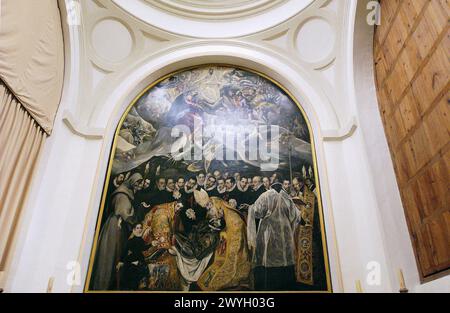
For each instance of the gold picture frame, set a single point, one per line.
(111, 159)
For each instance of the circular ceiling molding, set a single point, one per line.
(218, 9)
(112, 40)
(315, 41)
(213, 18)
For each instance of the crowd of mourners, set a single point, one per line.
(131, 197)
(237, 189)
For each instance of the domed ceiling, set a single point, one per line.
(217, 9)
(213, 18)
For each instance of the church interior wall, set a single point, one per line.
(333, 82)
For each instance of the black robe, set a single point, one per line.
(244, 196)
(200, 187)
(133, 274)
(158, 197)
(222, 195)
(255, 194)
(187, 197)
(232, 194)
(213, 192)
(140, 210)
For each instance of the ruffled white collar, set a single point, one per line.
(242, 189)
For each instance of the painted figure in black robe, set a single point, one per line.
(257, 189)
(187, 193)
(232, 191)
(159, 195)
(244, 194)
(133, 267)
(139, 201)
(211, 187)
(221, 188)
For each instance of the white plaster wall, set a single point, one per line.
(59, 220)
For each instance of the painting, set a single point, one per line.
(212, 185)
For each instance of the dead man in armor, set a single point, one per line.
(196, 237)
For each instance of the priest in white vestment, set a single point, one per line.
(273, 241)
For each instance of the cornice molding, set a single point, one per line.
(82, 130)
(206, 21)
(219, 10)
(102, 74)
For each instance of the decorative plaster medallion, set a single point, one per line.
(112, 40)
(315, 40)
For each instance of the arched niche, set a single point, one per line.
(235, 102)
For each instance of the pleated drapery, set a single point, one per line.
(32, 56)
(31, 81)
(21, 141)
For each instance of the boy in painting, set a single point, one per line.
(114, 233)
(132, 263)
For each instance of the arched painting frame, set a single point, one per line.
(140, 147)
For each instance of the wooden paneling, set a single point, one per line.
(412, 51)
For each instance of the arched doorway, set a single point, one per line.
(202, 160)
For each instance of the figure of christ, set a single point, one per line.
(196, 236)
